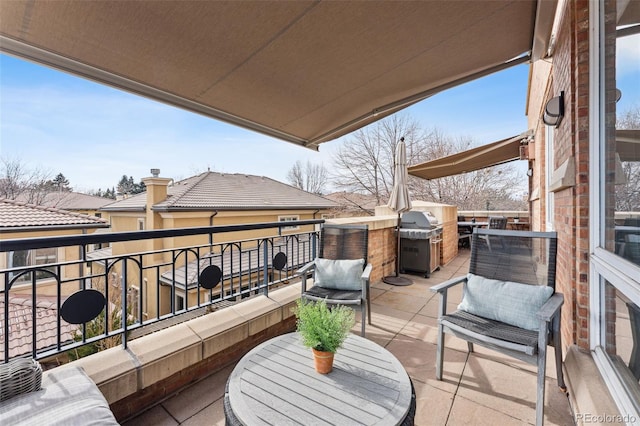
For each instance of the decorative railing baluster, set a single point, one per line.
(113, 294)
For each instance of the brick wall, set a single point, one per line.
(571, 216)
(382, 253)
(145, 398)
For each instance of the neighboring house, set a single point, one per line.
(75, 202)
(352, 204)
(207, 199)
(21, 325)
(20, 220)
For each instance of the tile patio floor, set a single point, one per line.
(485, 388)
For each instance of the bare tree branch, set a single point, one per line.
(18, 181)
(311, 178)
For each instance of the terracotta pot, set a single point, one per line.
(323, 361)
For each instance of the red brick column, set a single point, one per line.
(571, 216)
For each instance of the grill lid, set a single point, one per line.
(418, 220)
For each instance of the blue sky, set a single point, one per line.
(94, 134)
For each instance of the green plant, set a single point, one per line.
(321, 328)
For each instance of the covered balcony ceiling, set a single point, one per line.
(306, 72)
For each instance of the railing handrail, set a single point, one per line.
(79, 240)
(233, 280)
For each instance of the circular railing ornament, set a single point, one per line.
(210, 277)
(279, 261)
(82, 306)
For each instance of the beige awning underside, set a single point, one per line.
(303, 71)
(471, 160)
(628, 144)
(503, 151)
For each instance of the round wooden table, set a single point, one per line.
(276, 383)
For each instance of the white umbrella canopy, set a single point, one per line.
(399, 201)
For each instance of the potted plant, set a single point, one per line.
(323, 330)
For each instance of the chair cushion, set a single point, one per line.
(342, 274)
(68, 397)
(505, 301)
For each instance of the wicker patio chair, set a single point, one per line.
(19, 376)
(341, 272)
(509, 302)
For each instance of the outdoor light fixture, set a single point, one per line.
(554, 111)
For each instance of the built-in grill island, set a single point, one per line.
(420, 241)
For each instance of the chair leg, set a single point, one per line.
(542, 372)
(542, 364)
(363, 318)
(557, 343)
(439, 352)
(369, 307)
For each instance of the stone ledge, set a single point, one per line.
(114, 371)
(159, 361)
(374, 222)
(588, 394)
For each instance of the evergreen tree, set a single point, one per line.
(128, 186)
(61, 183)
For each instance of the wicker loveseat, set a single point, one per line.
(62, 396)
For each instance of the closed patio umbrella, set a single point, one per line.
(399, 201)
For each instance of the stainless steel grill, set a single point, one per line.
(420, 241)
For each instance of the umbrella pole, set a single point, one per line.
(398, 247)
(397, 279)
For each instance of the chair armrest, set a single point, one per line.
(306, 268)
(366, 274)
(365, 277)
(450, 283)
(551, 307)
(303, 273)
(442, 288)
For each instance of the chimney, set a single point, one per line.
(156, 193)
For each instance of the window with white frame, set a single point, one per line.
(289, 218)
(615, 210)
(550, 162)
(26, 258)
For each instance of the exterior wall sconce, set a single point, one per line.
(554, 111)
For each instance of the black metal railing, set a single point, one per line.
(91, 291)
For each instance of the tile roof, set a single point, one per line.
(21, 325)
(234, 263)
(224, 191)
(68, 200)
(351, 201)
(17, 215)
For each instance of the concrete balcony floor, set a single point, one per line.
(484, 388)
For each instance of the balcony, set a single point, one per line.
(485, 388)
(177, 373)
